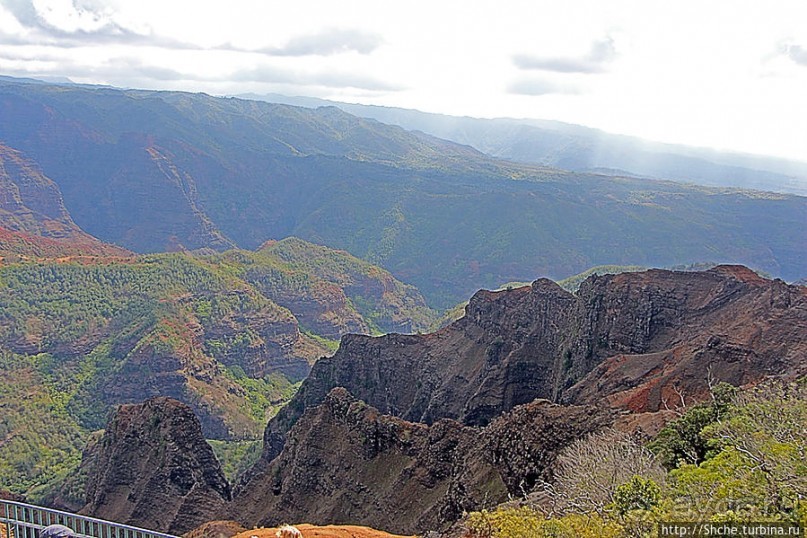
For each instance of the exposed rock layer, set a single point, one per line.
(344, 462)
(641, 340)
(153, 468)
(462, 419)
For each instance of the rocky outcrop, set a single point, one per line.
(669, 337)
(153, 468)
(344, 462)
(636, 339)
(407, 432)
(30, 201)
(34, 222)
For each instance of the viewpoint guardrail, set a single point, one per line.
(20, 520)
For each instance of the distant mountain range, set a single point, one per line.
(210, 250)
(584, 149)
(155, 171)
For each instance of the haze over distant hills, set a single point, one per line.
(155, 171)
(584, 149)
(405, 431)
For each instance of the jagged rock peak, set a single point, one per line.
(346, 462)
(153, 468)
(539, 341)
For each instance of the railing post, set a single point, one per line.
(6, 522)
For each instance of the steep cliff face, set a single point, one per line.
(30, 201)
(406, 433)
(726, 324)
(34, 222)
(344, 462)
(650, 335)
(153, 468)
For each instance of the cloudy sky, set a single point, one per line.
(730, 74)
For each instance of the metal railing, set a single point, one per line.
(20, 520)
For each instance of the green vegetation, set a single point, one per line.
(293, 271)
(330, 345)
(236, 456)
(440, 216)
(265, 396)
(84, 322)
(637, 494)
(525, 522)
(684, 439)
(758, 467)
(40, 443)
(51, 304)
(449, 316)
(572, 283)
(79, 338)
(753, 468)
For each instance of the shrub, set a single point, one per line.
(638, 494)
(682, 440)
(525, 522)
(588, 472)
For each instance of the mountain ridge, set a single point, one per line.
(154, 171)
(228, 334)
(584, 149)
(406, 477)
(361, 442)
(628, 351)
(513, 346)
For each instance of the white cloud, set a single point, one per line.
(602, 53)
(327, 42)
(268, 74)
(541, 86)
(67, 17)
(686, 71)
(72, 17)
(797, 54)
